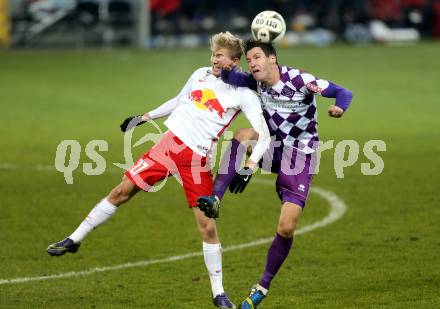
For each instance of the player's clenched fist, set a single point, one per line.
(335, 111)
(240, 180)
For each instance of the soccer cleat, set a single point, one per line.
(210, 205)
(222, 301)
(62, 247)
(253, 300)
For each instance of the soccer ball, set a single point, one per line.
(268, 27)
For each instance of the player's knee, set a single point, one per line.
(286, 228)
(243, 135)
(285, 232)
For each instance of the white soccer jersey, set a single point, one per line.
(204, 109)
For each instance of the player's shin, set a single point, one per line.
(230, 163)
(99, 214)
(278, 252)
(213, 261)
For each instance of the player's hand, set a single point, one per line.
(240, 180)
(335, 111)
(131, 122)
(227, 66)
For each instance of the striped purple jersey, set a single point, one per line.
(289, 106)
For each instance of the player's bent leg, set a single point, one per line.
(122, 192)
(103, 211)
(230, 162)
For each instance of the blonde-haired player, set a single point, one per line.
(198, 116)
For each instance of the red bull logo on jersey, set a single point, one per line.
(206, 99)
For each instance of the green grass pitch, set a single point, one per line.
(383, 253)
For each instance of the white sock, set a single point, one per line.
(213, 261)
(264, 290)
(99, 214)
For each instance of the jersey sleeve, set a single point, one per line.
(239, 79)
(251, 107)
(343, 96)
(311, 84)
(170, 105)
(250, 103)
(259, 124)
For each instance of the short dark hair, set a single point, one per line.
(267, 48)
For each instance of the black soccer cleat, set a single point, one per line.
(223, 301)
(62, 247)
(210, 205)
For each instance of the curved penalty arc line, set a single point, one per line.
(338, 209)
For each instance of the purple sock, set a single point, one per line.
(278, 252)
(230, 163)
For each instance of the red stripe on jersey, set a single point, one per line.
(227, 125)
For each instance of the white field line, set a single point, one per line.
(337, 206)
(49, 168)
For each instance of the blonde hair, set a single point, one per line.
(228, 41)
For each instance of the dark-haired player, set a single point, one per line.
(289, 107)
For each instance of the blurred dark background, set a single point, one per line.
(188, 23)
